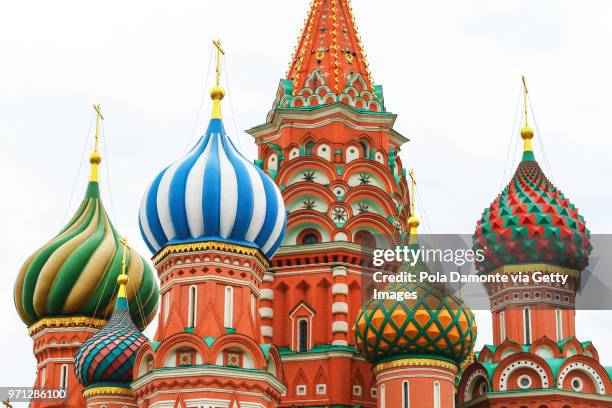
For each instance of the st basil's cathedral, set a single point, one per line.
(259, 270)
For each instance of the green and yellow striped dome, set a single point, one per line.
(74, 274)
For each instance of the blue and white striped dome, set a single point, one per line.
(213, 194)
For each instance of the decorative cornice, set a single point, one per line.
(415, 362)
(107, 390)
(206, 246)
(58, 322)
(536, 267)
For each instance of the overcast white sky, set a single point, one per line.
(450, 69)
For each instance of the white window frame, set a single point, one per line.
(63, 383)
(559, 324)
(357, 390)
(228, 320)
(405, 394)
(301, 390)
(527, 333)
(437, 395)
(192, 312)
(299, 334)
(321, 389)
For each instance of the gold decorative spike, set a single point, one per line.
(526, 132)
(95, 158)
(413, 221)
(122, 280)
(217, 92)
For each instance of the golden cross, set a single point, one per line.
(7, 404)
(99, 117)
(525, 92)
(220, 52)
(413, 183)
(123, 259)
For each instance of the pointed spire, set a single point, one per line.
(526, 132)
(330, 43)
(413, 221)
(95, 157)
(217, 92)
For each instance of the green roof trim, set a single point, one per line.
(321, 348)
(265, 348)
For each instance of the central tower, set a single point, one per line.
(329, 144)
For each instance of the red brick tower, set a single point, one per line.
(329, 144)
(65, 290)
(532, 229)
(213, 220)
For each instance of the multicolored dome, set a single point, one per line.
(108, 356)
(435, 325)
(531, 222)
(73, 274)
(213, 194)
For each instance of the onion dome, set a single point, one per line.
(532, 222)
(435, 325)
(72, 274)
(108, 356)
(213, 194)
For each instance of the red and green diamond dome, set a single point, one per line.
(532, 222)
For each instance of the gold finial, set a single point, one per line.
(7, 404)
(95, 157)
(413, 221)
(122, 280)
(217, 92)
(526, 131)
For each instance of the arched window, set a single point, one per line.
(64, 376)
(309, 148)
(437, 395)
(559, 316)
(303, 335)
(527, 324)
(502, 326)
(365, 238)
(310, 239)
(193, 306)
(309, 236)
(382, 396)
(229, 306)
(364, 149)
(405, 395)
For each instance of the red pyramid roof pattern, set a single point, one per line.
(329, 64)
